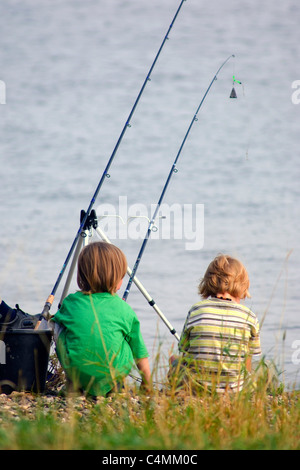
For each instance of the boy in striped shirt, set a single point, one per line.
(220, 336)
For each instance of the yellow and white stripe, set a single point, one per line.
(217, 338)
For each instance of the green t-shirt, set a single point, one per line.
(99, 341)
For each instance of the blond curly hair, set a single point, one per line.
(225, 274)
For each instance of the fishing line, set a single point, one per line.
(172, 171)
(50, 299)
(233, 92)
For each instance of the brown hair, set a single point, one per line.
(101, 266)
(225, 274)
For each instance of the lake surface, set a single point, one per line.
(72, 71)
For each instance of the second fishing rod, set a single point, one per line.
(172, 171)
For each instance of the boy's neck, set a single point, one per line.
(227, 296)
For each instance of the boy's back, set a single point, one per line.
(217, 337)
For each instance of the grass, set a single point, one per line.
(262, 419)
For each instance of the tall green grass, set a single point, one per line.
(265, 418)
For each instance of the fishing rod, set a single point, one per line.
(172, 171)
(49, 301)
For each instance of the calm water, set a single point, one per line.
(72, 72)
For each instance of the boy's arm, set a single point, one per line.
(249, 363)
(144, 368)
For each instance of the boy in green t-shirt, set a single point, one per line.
(99, 337)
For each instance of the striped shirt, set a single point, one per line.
(216, 340)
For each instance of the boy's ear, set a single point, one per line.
(119, 284)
